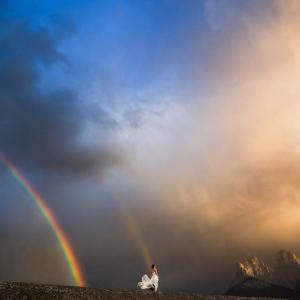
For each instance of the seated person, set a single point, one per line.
(150, 283)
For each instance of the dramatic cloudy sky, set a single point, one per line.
(171, 126)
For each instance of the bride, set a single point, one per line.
(150, 283)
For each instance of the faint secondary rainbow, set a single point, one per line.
(51, 220)
(134, 231)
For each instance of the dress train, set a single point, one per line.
(149, 283)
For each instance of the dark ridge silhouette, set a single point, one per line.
(253, 287)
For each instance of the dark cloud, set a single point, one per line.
(3, 5)
(43, 127)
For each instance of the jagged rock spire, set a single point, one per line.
(284, 272)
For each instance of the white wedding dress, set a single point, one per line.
(148, 283)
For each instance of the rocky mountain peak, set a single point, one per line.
(252, 266)
(284, 257)
(285, 271)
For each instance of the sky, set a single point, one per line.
(163, 131)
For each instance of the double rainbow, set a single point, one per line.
(41, 204)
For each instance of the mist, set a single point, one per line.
(224, 166)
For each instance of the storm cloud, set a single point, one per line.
(43, 128)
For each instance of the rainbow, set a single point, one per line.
(51, 220)
(135, 233)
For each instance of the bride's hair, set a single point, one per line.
(153, 266)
